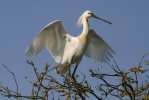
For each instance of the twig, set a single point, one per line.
(13, 76)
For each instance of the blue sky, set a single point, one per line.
(20, 22)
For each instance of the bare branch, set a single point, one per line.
(13, 76)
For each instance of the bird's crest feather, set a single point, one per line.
(80, 20)
(79, 23)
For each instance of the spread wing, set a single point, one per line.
(53, 37)
(97, 48)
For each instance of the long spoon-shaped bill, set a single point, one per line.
(101, 19)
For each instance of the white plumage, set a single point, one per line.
(66, 49)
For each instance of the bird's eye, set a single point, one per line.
(89, 13)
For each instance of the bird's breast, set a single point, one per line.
(74, 51)
(82, 38)
(79, 51)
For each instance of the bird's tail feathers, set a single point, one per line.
(62, 68)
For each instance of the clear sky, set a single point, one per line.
(20, 22)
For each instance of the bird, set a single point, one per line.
(66, 49)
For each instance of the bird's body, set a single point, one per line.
(66, 49)
(72, 54)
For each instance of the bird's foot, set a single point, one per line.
(73, 78)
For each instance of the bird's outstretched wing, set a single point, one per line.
(97, 48)
(53, 37)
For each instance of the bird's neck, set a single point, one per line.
(83, 36)
(85, 28)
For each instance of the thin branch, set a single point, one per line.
(13, 76)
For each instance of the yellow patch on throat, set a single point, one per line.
(82, 38)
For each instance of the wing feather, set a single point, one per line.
(97, 48)
(53, 37)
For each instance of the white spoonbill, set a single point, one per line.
(66, 49)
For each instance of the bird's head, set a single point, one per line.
(86, 15)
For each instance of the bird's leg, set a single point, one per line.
(74, 72)
(69, 72)
(69, 75)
